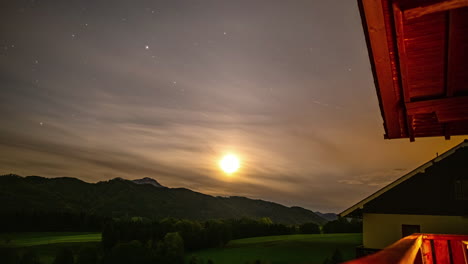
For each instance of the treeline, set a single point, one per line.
(196, 235)
(39, 221)
(143, 241)
(35, 221)
(342, 225)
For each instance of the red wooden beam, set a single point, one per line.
(429, 248)
(404, 251)
(449, 109)
(436, 7)
(458, 251)
(403, 57)
(457, 57)
(383, 56)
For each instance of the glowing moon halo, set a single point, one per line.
(229, 163)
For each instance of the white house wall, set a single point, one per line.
(381, 230)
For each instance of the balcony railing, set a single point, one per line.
(421, 249)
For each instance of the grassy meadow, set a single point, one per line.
(28, 239)
(289, 249)
(47, 244)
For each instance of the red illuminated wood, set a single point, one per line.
(458, 248)
(457, 70)
(437, 7)
(451, 46)
(384, 66)
(447, 110)
(442, 252)
(404, 251)
(445, 237)
(418, 52)
(420, 248)
(426, 249)
(400, 34)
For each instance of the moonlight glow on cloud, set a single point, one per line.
(161, 88)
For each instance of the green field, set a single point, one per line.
(290, 249)
(35, 239)
(47, 244)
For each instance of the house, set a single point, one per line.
(419, 60)
(433, 199)
(417, 51)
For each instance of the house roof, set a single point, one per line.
(417, 50)
(360, 205)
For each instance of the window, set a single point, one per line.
(461, 189)
(407, 230)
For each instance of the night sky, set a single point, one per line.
(163, 89)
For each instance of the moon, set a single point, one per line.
(229, 163)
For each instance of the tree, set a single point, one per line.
(195, 260)
(109, 236)
(64, 256)
(8, 256)
(171, 249)
(128, 252)
(309, 228)
(87, 255)
(342, 225)
(30, 257)
(336, 258)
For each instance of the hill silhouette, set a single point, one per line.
(119, 197)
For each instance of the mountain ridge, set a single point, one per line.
(120, 197)
(150, 181)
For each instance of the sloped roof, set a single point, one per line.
(422, 168)
(417, 50)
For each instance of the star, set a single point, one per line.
(147, 47)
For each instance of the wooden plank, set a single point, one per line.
(433, 8)
(450, 43)
(402, 56)
(426, 55)
(441, 251)
(445, 237)
(426, 250)
(447, 109)
(400, 37)
(383, 63)
(458, 57)
(404, 251)
(453, 115)
(458, 255)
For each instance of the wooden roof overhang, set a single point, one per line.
(418, 51)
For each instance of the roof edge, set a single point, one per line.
(403, 178)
